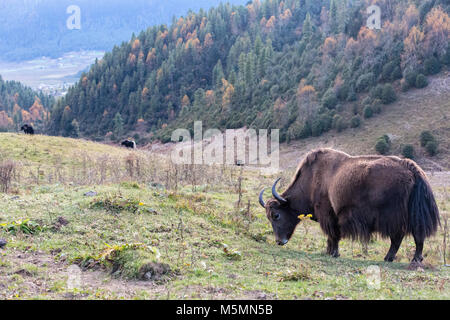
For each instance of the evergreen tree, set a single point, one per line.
(118, 126)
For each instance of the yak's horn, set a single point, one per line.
(261, 201)
(275, 193)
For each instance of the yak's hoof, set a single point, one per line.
(389, 259)
(416, 265)
(335, 254)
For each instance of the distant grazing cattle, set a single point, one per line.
(27, 129)
(129, 144)
(353, 197)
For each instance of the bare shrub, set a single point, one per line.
(7, 170)
(131, 164)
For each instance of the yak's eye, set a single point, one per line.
(276, 216)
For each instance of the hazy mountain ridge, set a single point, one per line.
(34, 28)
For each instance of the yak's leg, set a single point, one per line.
(333, 247)
(396, 241)
(331, 228)
(419, 248)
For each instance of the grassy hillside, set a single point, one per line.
(156, 231)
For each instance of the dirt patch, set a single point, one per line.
(49, 280)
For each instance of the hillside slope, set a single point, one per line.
(414, 112)
(304, 67)
(147, 237)
(20, 104)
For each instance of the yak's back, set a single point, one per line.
(370, 181)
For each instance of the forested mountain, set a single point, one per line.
(303, 66)
(20, 104)
(35, 28)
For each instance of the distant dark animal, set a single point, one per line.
(239, 163)
(27, 129)
(354, 197)
(129, 144)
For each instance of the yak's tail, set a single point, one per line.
(423, 211)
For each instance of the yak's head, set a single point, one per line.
(283, 218)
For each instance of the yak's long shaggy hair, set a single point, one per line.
(368, 194)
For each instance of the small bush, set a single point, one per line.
(383, 145)
(432, 148)
(410, 78)
(432, 66)
(343, 92)
(425, 137)
(408, 151)
(339, 123)
(294, 132)
(368, 112)
(355, 122)
(316, 128)
(388, 95)
(421, 81)
(329, 99)
(375, 93)
(364, 82)
(388, 69)
(326, 121)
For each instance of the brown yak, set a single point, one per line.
(353, 197)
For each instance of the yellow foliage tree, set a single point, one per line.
(413, 46)
(437, 29)
(185, 102)
(306, 101)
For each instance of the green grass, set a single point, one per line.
(208, 247)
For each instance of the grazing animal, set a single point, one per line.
(239, 163)
(27, 129)
(354, 197)
(129, 144)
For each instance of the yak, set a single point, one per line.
(129, 144)
(355, 197)
(27, 129)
